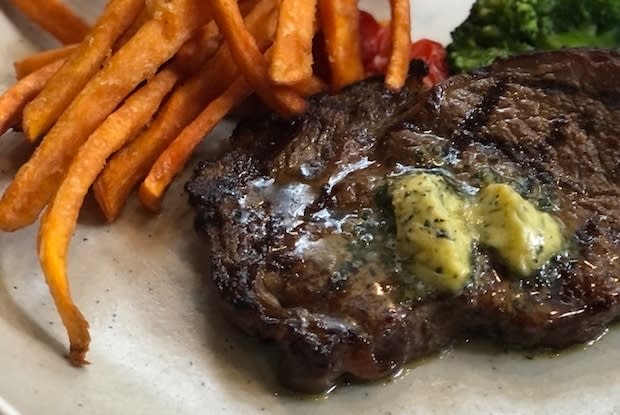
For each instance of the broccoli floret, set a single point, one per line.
(584, 23)
(499, 28)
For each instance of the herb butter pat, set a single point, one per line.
(432, 231)
(523, 236)
(437, 226)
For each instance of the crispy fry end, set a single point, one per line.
(53, 265)
(401, 44)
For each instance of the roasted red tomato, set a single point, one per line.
(376, 47)
(434, 54)
(372, 36)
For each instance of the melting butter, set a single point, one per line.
(437, 227)
(523, 236)
(432, 232)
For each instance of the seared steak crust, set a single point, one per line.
(302, 242)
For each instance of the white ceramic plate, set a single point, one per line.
(160, 347)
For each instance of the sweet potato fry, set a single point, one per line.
(173, 159)
(401, 44)
(55, 18)
(30, 64)
(130, 165)
(340, 23)
(13, 101)
(38, 179)
(250, 60)
(44, 110)
(291, 58)
(61, 215)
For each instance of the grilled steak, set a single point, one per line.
(302, 234)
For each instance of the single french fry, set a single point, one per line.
(55, 18)
(61, 216)
(39, 178)
(64, 86)
(339, 20)
(173, 159)
(131, 164)
(291, 57)
(32, 63)
(13, 101)
(398, 66)
(251, 61)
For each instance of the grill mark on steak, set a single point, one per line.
(302, 241)
(479, 116)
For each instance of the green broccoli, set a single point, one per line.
(499, 28)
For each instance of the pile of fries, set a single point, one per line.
(125, 102)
